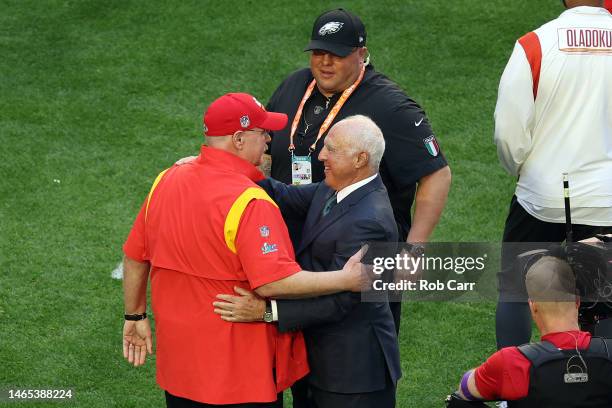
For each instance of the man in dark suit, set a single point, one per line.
(352, 345)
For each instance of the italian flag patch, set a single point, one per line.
(432, 145)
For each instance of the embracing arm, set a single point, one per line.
(293, 201)
(303, 313)
(298, 313)
(266, 255)
(308, 284)
(247, 306)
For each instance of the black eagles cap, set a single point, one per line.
(337, 31)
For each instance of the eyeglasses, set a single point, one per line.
(260, 131)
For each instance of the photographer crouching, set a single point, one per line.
(568, 368)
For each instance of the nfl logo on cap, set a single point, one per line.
(245, 121)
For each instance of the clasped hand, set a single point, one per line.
(243, 308)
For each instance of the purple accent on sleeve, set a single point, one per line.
(464, 386)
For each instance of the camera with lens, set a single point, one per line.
(591, 262)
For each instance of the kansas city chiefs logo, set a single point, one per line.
(330, 28)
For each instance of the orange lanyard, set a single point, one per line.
(329, 119)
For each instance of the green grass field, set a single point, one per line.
(98, 96)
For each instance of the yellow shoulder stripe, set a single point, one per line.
(155, 183)
(235, 213)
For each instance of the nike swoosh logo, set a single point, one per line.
(417, 124)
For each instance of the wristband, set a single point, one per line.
(135, 317)
(464, 387)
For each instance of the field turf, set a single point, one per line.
(96, 97)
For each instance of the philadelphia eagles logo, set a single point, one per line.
(330, 28)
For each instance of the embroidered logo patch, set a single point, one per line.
(264, 231)
(268, 248)
(245, 121)
(431, 144)
(330, 28)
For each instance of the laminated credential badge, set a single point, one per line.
(301, 170)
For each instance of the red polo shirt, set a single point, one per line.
(505, 375)
(205, 228)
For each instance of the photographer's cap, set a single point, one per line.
(240, 111)
(337, 31)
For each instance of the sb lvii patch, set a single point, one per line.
(431, 144)
(268, 248)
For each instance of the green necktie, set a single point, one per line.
(329, 204)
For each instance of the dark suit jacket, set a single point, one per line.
(352, 345)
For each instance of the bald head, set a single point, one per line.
(551, 285)
(551, 279)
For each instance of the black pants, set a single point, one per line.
(178, 402)
(396, 311)
(384, 398)
(513, 319)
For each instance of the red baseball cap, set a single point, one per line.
(240, 111)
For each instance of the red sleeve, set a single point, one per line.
(533, 50)
(263, 244)
(134, 246)
(505, 375)
(608, 5)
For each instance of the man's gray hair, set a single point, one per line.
(365, 136)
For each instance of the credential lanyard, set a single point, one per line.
(330, 117)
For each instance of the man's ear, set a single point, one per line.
(237, 140)
(364, 54)
(533, 306)
(363, 158)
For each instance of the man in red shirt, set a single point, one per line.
(509, 373)
(204, 228)
(608, 5)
